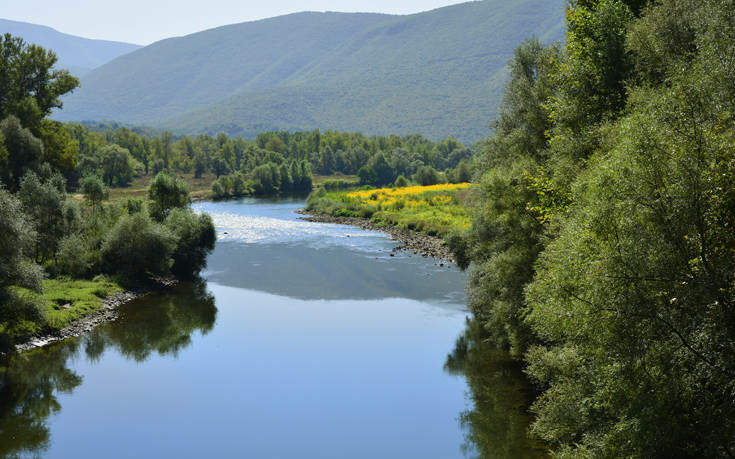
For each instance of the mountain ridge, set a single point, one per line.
(77, 54)
(436, 73)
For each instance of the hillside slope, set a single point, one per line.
(436, 73)
(78, 55)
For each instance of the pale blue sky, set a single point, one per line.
(146, 21)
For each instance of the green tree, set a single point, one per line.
(117, 165)
(166, 193)
(137, 247)
(29, 86)
(195, 238)
(94, 191)
(23, 152)
(43, 202)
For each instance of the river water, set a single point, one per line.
(304, 340)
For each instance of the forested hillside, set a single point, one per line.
(437, 73)
(76, 54)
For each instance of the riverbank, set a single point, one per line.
(412, 241)
(106, 311)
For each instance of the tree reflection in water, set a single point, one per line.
(497, 424)
(29, 382)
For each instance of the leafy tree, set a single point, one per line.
(166, 193)
(117, 165)
(286, 180)
(59, 149)
(29, 87)
(401, 181)
(94, 191)
(17, 236)
(43, 203)
(427, 175)
(195, 238)
(24, 152)
(137, 247)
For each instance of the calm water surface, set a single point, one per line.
(305, 340)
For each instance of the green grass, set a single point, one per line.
(434, 210)
(61, 302)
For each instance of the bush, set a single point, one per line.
(137, 246)
(427, 175)
(401, 182)
(195, 236)
(72, 256)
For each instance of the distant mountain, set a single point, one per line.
(436, 73)
(78, 55)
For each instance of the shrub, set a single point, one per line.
(72, 256)
(137, 246)
(195, 236)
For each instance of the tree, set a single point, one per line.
(167, 192)
(427, 175)
(117, 165)
(94, 191)
(59, 149)
(137, 247)
(43, 203)
(17, 236)
(195, 238)
(401, 182)
(29, 87)
(24, 152)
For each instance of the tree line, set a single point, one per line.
(602, 244)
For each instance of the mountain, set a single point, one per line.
(76, 54)
(436, 73)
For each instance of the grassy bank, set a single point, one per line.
(436, 210)
(61, 302)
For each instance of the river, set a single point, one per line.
(304, 340)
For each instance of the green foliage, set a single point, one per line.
(166, 193)
(446, 71)
(29, 86)
(137, 247)
(43, 203)
(427, 175)
(118, 165)
(401, 182)
(94, 190)
(23, 152)
(72, 256)
(195, 238)
(602, 242)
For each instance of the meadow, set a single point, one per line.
(436, 210)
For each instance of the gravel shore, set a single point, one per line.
(420, 244)
(107, 313)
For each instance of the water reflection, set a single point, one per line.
(331, 273)
(496, 424)
(30, 382)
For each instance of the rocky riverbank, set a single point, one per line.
(108, 312)
(412, 241)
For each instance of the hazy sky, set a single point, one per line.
(146, 21)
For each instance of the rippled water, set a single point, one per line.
(306, 340)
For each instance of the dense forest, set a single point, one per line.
(602, 242)
(51, 238)
(274, 162)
